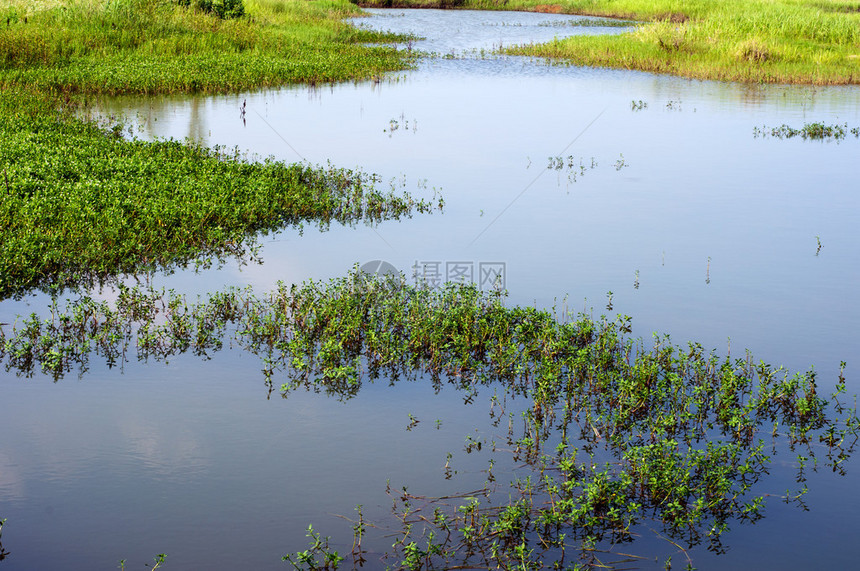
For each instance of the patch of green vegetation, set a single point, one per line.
(79, 203)
(616, 436)
(221, 8)
(764, 41)
(813, 131)
(158, 46)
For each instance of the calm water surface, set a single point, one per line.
(698, 228)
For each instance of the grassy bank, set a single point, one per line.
(78, 203)
(767, 41)
(158, 46)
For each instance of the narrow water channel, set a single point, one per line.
(573, 184)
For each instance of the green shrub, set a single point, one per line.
(224, 9)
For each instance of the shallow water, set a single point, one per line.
(698, 228)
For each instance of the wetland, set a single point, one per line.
(643, 356)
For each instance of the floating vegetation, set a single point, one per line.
(157, 562)
(81, 204)
(617, 435)
(403, 123)
(638, 105)
(571, 166)
(810, 131)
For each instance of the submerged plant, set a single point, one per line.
(317, 556)
(157, 562)
(3, 552)
(569, 164)
(616, 435)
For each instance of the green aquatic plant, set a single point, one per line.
(809, 131)
(3, 552)
(569, 164)
(158, 561)
(80, 204)
(615, 435)
(318, 556)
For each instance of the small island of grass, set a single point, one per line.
(813, 42)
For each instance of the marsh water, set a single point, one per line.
(569, 183)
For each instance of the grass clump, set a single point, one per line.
(762, 41)
(788, 41)
(79, 203)
(157, 46)
(616, 435)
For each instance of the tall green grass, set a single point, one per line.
(768, 42)
(157, 46)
